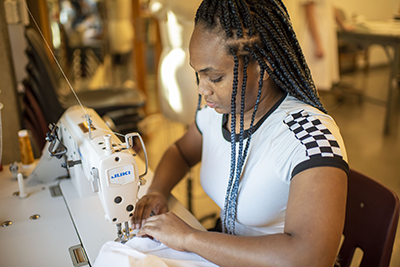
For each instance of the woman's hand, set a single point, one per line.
(169, 229)
(319, 50)
(153, 202)
(172, 167)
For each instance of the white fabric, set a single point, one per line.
(273, 155)
(325, 70)
(144, 252)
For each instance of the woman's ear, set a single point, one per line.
(266, 75)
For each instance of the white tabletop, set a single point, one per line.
(94, 230)
(41, 242)
(64, 222)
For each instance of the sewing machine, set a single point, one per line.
(65, 222)
(84, 148)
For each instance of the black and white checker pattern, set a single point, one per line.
(317, 139)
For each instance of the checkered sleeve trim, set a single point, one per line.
(318, 141)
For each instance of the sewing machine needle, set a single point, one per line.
(127, 232)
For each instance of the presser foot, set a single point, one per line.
(124, 235)
(124, 238)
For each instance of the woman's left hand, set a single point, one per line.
(167, 228)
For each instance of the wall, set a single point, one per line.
(372, 10)
(369, 9)
(8, 96)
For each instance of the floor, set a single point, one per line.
(358, 106)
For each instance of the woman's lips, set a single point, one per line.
(211, 105)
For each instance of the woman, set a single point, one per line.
(316, 30)
(271, 158)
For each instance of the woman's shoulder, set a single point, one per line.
(292, 106)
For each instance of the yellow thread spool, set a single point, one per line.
(25, 148)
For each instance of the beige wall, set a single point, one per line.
(370, 10)
(8, 96)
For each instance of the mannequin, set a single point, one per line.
(177, 80)
(314, 23)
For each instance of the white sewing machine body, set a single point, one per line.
(111, 170)
(97, 162)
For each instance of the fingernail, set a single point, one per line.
(137, 226)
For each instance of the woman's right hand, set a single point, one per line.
(153, 202)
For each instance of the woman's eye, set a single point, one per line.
(216, 80)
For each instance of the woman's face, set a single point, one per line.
(209, 58)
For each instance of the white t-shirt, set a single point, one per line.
(291, 138)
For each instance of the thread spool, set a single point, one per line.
(21, 184)
(25, 148)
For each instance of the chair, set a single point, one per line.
(372, 216)
(42, 78)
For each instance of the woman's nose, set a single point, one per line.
(203, 89)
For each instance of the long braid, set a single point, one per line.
(226, 217)
(236, 24)
(199, 99)
(262, 30)
(232, 198)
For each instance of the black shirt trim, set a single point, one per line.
(337, 162)
(227, 134)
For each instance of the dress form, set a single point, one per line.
(177, 86)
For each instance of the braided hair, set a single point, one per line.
(258, 30)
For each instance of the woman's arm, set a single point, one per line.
(174, 164)
(314, 223)
(312, 25)
(341, 21)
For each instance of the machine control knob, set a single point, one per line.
(94, 172)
